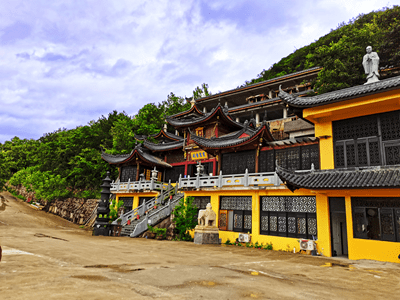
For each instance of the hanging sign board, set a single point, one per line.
(199, 155)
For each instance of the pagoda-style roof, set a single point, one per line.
(261, 85)
(240, 138)
(163, 146)
(371, 177)
(218, 112)
(340, 95)
(162, 135)
(137, 152)
(194, 111)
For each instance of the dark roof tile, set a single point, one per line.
(340, 95)
(371, 177)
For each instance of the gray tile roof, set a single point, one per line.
(233, 139)
(372, 177)
(147, 157)
(194, 110)
(340, 95)
(161, 133)
(262, 82)
(223, 112)
(163, 146)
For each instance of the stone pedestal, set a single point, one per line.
(206, 235)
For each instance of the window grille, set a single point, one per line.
(266, 161)
(297, 158)
(288, 216)
(128, 203)
(376, 218)
(173, 173)
(128, 172)
(240, 208)
(201, 201)
(367, 141)
(238, 162)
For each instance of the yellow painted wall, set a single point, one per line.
(279, 243)
(323, 130)
(370, 249)
(323, 225)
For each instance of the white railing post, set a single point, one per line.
(197, 180)
(129, 182)
(152, 184)
(246, 177)
(220, 179)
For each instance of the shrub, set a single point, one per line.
(114, 206)
(185, 218)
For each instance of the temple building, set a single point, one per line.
(280, 165)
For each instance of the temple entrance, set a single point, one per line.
(337, 210)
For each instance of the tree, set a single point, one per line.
(185, 218)
(149, 120)
(200, 92)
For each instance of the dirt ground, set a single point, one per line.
(47, 257)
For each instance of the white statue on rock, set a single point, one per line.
(371, 65)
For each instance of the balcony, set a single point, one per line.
(233, 180)
(141, 185)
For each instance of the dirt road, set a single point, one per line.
(47, 257)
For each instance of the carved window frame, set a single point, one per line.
(287, 218)
(388, 217)
(375, 135)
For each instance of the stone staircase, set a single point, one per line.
(147, 214)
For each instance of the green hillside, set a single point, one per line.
(340, 52)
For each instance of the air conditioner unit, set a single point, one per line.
(244, 238)
(306, 245)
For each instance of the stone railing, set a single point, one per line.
(155, 217)
(165, 192)
(221, 181)
(126, 187)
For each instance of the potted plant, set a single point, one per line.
(137, 217)
(119, 221)
(155, 206)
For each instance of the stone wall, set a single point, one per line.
(76, 210)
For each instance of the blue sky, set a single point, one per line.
(65, 63)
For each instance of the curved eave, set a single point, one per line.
(193, 109)
(163, 147)
(217, 111)
(339, 95)
(125, 158)
(167, 135)
(336, 179)
(223, 143)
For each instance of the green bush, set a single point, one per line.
(114, 206)
(185, 218)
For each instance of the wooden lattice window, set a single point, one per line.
(235, 213)
(367, 141)
(128, 173)
(376, 218)
(173, 173)
(288, 216)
